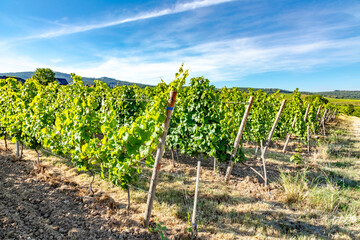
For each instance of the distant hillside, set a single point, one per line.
(110, 81)
(339, 94)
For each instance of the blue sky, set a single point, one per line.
(312, 45)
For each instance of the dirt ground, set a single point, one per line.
(47, 206)
(54, 202)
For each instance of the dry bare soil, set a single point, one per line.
(317, 199)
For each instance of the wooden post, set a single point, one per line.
(307, 112)
(193, 219)
(263, 149)
(318, 112)
(128, 206)
(308, 127)
(256, 151)
(329, 116)
(308, 138)
(322, 122)
(173, 157)
(17, 149)
(263, 161)
(159, 154)
(6, 146)
(177, 154)
(289, 135)
(22, 150)
(37, 159)
(334, 115)
(215, 165)
(238, 139)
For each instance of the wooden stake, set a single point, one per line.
(289, 135)
(238, 139)
(263, 160)
(263, 149)
(177, 154)
(17, 149)
(329, 116)
(6, 146)
(308, 127)
(128, 206)
(334, 115)
(91, 181)
(323, 121)
(256, 151)
(307, 112)
(318, 112)
(308, 138)
(22, 150)
(254, 170)
(159, 154)
(276, 122)
(37, 159)
(173, 157)
(193, 219)
(215, 165)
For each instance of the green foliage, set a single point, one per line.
(206, 120)
(100, 128)
(111, 131)
(44, 76)
(160, 229)
(296, 158)
(356, 112)
(349, 109)
(312, 98)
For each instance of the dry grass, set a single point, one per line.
(295, 187)
(326, 198)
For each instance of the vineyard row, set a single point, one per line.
(112, 131)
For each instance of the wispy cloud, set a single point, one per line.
(178, 8)
(227, 60)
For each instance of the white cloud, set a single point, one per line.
(226, 60)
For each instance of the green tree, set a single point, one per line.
(356, 112)
(349, 109)
(44, 76)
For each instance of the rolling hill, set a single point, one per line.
(110, 81)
